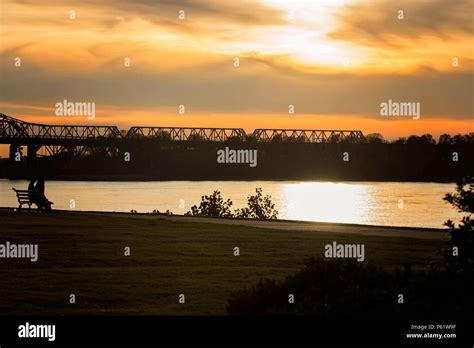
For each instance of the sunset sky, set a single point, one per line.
(335, 61)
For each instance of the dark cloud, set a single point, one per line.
(375, 23)
(198, 13)
(262, 89)
(242, 12)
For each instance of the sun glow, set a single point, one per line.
(327, 202)
(303, 39)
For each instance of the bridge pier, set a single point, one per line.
(31, 152)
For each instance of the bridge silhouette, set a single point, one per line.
(56, 139)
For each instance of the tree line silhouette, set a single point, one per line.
(415, 158)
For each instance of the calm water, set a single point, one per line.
(375, 203)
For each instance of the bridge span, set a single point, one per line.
(60, 138)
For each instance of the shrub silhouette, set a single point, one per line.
(347, 289)
(327, 289)
(213, 206)
(462, 236)
(258, 207)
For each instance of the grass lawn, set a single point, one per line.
(83, 254)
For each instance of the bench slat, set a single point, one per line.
(24, 197)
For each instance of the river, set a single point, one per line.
(373, 203)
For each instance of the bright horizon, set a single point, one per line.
(333, 61)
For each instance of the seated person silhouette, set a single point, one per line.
(39, 197)
(33, 194)
(31, 185)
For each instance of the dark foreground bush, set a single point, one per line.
(258, 207)
(213, 206)
(460, 257)
(342, 289)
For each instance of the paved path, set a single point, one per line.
(384, 231)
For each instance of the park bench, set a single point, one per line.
(25, 197)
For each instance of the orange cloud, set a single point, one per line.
(407, 35)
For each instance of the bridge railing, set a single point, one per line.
(187, 134)
(74, 132)
(308, 136)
